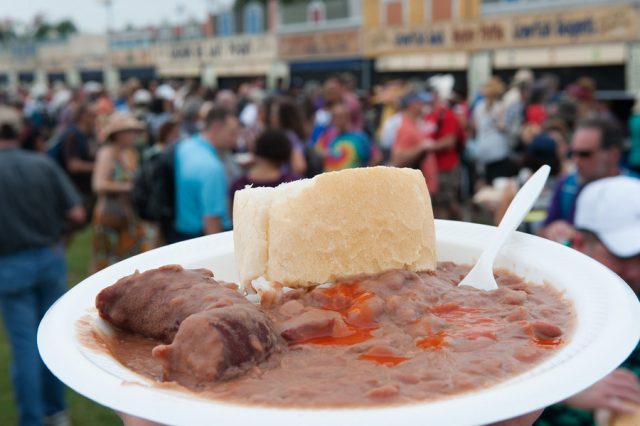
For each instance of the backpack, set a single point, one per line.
(315, 163)
(55, 145)
(153, 195)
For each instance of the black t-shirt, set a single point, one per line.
(35, 195)
(76, 144)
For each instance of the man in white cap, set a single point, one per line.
(608, 226)
(607, 223)
(596, 150)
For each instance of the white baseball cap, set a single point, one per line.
(142, 97)
(610, 208)
(165, 92)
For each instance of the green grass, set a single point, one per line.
(83, 411)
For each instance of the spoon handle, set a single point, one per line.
(518, 209)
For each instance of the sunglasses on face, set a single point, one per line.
(584, 154)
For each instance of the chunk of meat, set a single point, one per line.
(291, 308)
(385, 391)
(155, 303)
(527, 353)
(211, 331)
(518, 314)
(314, 323)
(511, 297)
(365, 310)
(545, 330)
(217, 344)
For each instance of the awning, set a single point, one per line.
(240, 69)
(561, 56)
(91, 75)
(26, 77)
(56, 76)
(179, 69)
(137, 72)
(329, 65)
(422, 62)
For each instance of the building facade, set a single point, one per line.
(372, 39)
(473, 39)
(318, 38)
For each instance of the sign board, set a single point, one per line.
(561, 56)
(319, 44)
(131, 58)
(239, 54)
(616, 23)
(423, 62)
(580, 26)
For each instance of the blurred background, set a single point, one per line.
(492, 88)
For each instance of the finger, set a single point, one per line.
(633, 397)
(626, 374)
(624, 388)
(631, 394)
(603, 399)
(620, 381)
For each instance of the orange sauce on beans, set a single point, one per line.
(349, 300)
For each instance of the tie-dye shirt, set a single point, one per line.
(344, 150)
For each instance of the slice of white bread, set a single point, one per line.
(334, 226)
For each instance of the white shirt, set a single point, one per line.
(492, 144)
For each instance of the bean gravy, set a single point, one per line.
(395, 338)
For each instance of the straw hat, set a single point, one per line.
(523, 75)
(120, 122)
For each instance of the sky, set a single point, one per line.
(91, 15)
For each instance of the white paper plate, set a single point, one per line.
(608, 328)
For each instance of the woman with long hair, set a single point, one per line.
(285, 115)
(117, 233)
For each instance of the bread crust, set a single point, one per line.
(334, 226)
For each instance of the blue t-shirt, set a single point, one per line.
(565, 196)
(201, 186)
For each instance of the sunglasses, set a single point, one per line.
(581, 154)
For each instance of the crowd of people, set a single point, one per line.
(160, 163)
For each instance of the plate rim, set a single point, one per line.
(155, 404)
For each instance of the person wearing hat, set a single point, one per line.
(607, 226)
(522, 78)
(37, 199)
(117, 233)
(596, 149)
(411, 148)
(162, 107)
(492, 142)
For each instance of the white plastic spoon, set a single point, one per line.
(481, 275)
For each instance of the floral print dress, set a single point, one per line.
(117, 232)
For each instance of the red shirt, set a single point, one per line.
(535, 114)
(409, 136)
(439, 123)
